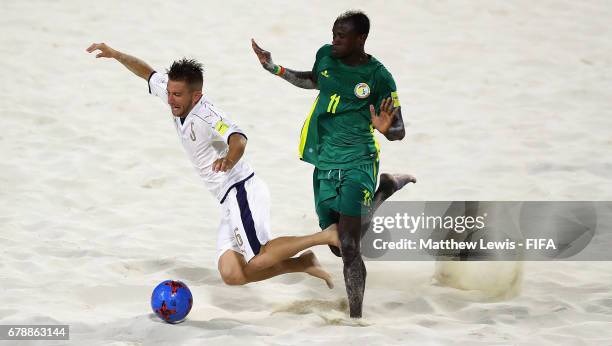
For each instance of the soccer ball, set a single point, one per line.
(171, 301)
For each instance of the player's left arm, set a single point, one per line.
(230, 133)
(397, 131)
(237, 144)
(389, 120)
(301, 79)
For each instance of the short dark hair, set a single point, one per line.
(361, 22)
(189, 71)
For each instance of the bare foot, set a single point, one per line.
(389, 184)
(394, 182)
(313, 267)
(332, 233)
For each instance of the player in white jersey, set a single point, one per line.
(215, 145)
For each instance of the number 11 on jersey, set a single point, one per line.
(333, 103)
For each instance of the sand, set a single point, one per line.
(98, 203)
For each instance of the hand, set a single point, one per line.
(105, 51)
(265, 58)
(383, 121)
(223, 165)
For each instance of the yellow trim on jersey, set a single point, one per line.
(395, 99)
(304, 133)
(376, 144)
(221, 127)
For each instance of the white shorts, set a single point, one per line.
(245, 219)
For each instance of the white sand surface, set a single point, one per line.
(503, 100)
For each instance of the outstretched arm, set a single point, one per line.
(137, 66)
(301, 79)
(389, 121)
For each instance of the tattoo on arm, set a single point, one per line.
(397, 130)
(301, 79)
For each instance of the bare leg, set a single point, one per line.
(354, 268)
(281, 248)
(389, 184)
(351, 230)
(235, 271)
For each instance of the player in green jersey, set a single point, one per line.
(356, 95)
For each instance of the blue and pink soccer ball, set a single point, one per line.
(171, 301)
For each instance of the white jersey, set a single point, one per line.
(204, 135)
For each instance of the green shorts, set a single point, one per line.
(343, 191)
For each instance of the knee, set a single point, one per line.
(350, 249)
(258, 263)
(233, 276)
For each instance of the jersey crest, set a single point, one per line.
(362, 90)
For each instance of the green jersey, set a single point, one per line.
(338, 132)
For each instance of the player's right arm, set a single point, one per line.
(137, 66)
(301, 79)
